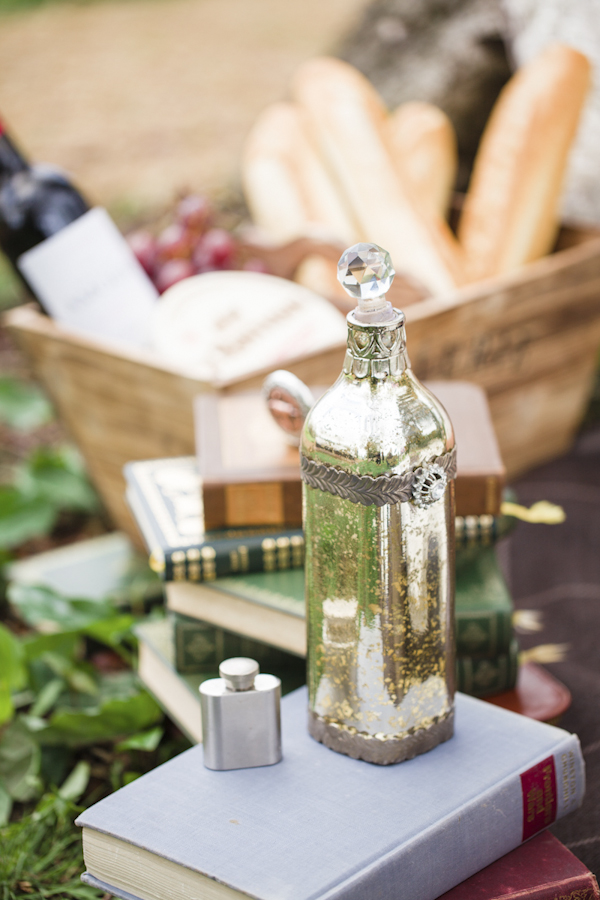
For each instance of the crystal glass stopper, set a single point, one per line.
(365, 271)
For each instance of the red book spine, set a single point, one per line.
(540, 869)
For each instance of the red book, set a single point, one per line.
(540, 869)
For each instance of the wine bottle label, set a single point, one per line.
(88, 279)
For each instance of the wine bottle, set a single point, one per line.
(71, 257)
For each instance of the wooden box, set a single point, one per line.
(251, 474)
(530, 339)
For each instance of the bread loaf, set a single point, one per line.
(319, 274)
(511, 211)
(423, 144)
(349, 124)
(287, 187)
(272, 191)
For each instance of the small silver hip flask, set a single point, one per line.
(241, 722)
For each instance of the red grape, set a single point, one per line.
(215, 250)
(144, 249)
(171, 272)
(194, 213)
(175, 242)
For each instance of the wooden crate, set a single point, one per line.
(530, 339)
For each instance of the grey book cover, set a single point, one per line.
(321, 825)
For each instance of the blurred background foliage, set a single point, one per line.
(74, 722)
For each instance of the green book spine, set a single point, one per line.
(482, 531)
(165, 497)
(201, 647)
(484, 605)
(222, 555)
(484, 677)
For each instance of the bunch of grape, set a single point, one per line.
(189, 246)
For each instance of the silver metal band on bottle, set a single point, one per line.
(423, 485)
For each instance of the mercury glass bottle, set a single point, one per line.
(378, 466)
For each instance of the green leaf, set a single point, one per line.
(65, 643)
(19, 762)
(57, 475)
(56, 763)
(23, 405)
(38, 605)
(23, 698)
(111, 631)
(119, 686)
(74, 786)
(81, 681)
(77, 675)
(6, 803)
(107, 721)
(23, 517)
(11, 660)
(13, 675)
(47, 697)
(128, 777)
(146, 740)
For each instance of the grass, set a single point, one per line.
(41, 854)
(11, 291)
(72, 712)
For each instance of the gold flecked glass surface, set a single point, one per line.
(379, 580)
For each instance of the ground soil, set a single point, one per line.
(140, 99)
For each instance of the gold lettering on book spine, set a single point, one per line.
(208, 555)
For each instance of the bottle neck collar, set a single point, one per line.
(376, 349)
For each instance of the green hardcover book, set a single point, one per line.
(177, 692)
(269, 606)
(483, 531)
(484, 677)
(165, 498)
(484, 606)
(201, 647)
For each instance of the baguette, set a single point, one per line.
(319, 274)
(348, 122)
(511, 212)
(423, 144)
(274, 197)
(287, 188)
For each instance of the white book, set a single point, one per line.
(322, 826)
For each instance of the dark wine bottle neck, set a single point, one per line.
(11, 160)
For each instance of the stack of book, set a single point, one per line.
(242, 579)
(466, 819)
(250, 582)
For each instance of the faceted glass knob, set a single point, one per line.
(366, 271)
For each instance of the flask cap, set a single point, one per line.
(239, 673)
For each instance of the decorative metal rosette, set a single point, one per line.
(429, 484)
